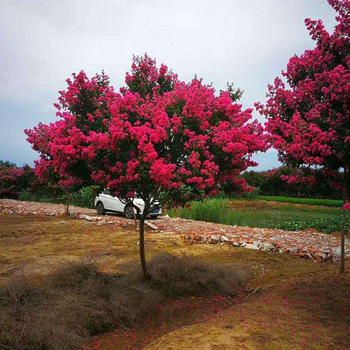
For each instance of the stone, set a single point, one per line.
(252, 246)
(188, 239)
(336, 254)
(321, 257)
(312, 252)
(224, 239)
(293, 250)
(150, 225)
(214, 239)
(236, 244)
(268, 247)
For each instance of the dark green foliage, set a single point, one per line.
(83, 198)
(42, 197)
(6, 164)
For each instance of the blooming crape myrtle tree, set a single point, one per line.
(13, 179)
(10, 178)
(159, 137)
(310, 120)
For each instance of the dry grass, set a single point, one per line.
(187, 275)
(79, 300)
(73, 303)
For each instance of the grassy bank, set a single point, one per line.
(307, 201)
(260, 213)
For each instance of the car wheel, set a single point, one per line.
(100, 208)
(128, 211)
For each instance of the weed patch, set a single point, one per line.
(322, 225)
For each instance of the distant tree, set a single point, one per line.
(6, 164)
(310, 121)
(160, 137)
(13, 180)
(293, 182)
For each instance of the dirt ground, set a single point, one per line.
(293, 304)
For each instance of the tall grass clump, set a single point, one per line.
(219, 210)
(186, 275)
(84, 197)
(211, 210)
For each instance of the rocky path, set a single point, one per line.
(307, 245)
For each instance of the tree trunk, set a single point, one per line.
(343, 229)
(142, 247)
(67, 204)
(134, 216)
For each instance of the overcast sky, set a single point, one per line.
(43, 42)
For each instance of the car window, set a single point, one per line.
(108, 192)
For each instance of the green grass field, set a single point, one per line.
(307, 201)
(263, 213)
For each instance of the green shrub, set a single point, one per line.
(35, 197)
(27, 196)
(211, 210)
(84, 198)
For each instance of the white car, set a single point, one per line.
(105, 202)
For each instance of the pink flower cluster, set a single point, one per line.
(346, 206)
